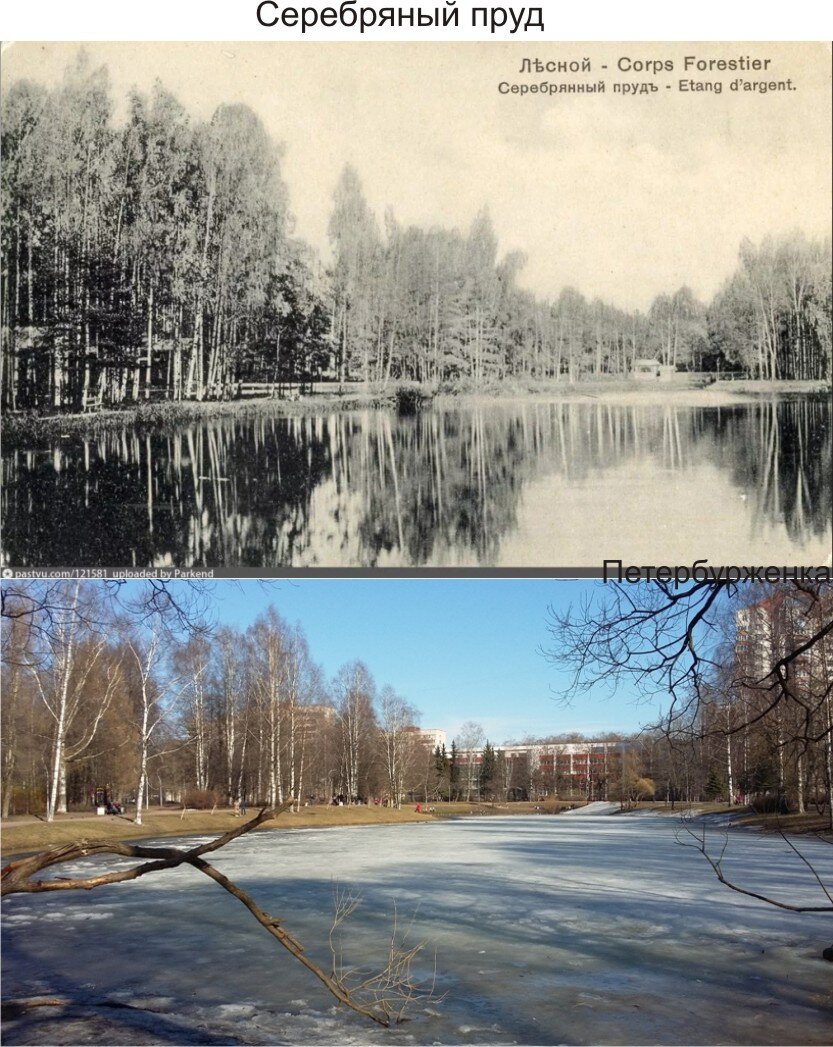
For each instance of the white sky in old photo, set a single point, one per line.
(621, 197)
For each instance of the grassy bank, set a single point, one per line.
(32, 835)
(680, 393)
(809, 822)
(25, 428)
(25, 834)
(754, 387)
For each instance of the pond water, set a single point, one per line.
(538, 930)
(503, 485)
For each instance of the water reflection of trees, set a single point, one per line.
(782, 452)
(372, 489)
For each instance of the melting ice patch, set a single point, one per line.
(583, 929)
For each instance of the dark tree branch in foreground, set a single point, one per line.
(660, 636)
(698, 841)
(671, 641)
(383, 997)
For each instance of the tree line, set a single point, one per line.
(745, 677)
(103, 702)
(106, 701)
(132, 700)
(154, 258)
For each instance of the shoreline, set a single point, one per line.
(27, 834)
(19, 429)
(30, 834)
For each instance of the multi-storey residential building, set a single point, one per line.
(780, 699)
(431, 736)
(769, 629)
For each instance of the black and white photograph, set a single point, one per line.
(371, 305)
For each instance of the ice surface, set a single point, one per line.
(593, 809)
(546, 930)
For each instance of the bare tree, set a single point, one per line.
(152, 697)
(470, 740)
(298, 683)
(354, 691)
(268, 637)
(194, 664)
(62, 671)
(233, 676)
(730, 660)
(16, 655)
(184, 605)
(384, 996)
(670, 640)
(397, 716)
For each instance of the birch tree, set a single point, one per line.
(354, 692)
(298, 682)
(154, 694)
(233, 674)
(193, 663)
(268, 637)
(72, 658)
(397, 718)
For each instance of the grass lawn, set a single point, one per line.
(33, 835)
(29, 834)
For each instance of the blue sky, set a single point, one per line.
(456, 649)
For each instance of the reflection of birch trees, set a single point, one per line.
(356, 488)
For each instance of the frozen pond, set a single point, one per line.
(546, 930)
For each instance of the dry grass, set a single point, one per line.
(31, 835)
(809, 822)
(27, 834)
(24, 834)
(681, 808)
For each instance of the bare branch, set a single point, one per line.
(383, 997)
(700, 844)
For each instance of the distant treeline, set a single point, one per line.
(154, 258)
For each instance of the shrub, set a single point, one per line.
(410, 399)
(201, 799)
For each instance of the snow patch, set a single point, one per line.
(593, 809)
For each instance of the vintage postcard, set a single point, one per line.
(387, 306)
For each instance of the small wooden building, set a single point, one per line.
(645, 370)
